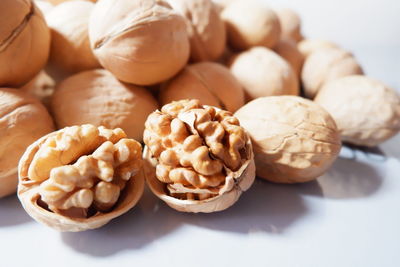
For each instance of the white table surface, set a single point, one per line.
(348, 217)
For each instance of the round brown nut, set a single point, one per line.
(308, 46)
(264, 73)
(197, 158)
(23, 119)
(288, 50)
(70, 48)
(206, 29)
(21, 55)
(141, 42)
(294, 139)
(250, 23)
(80, 177)
(211, 83)
(97, 97)
(366, 111)
(326, 65)
(290, 24)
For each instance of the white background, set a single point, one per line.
(348, 217)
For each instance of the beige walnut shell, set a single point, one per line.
(250, 23)
(142, 42)
(68, 187)
(207, 34)
(366, 111)
(262, 72)
(188, 162)
(97, 97)
(23, 119)
(24, 42)
(288, 50)
(308, 46)
(213, 84)
(44, 6)
(70, 48)
(290, 23)
(326, 65)
(294, 139)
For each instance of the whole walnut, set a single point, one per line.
(326, 65)
(70, 48)
(308, 46)
(142, 42)
(251, 23)
(294, 139)
(288, 50)
(290, 24)
(206, 29)
(98, 98)
(80, 177)
(264, 73)
(211, 83)
(197, 158)
(23, 119)
(24, 42)
(366, 111)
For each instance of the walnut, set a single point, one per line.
(212, 83)
(308, 46)
(198, 158)
(80, 177)
(290, 25)
(294, 139)
(24, 42)
(366, 111)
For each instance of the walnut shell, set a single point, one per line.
(24, 42)
(207, 34)
(294, 139)
(213, 84)
(197, 158)
(80, 177)
(70, 48)
(290, 23)
(308, 46)
(262, 72)
(250, 23)
(366, 111)
(141, 42)
(326, 65)
(44, 6)
(288, 50)
(97, 97)
(23, 119)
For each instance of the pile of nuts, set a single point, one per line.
(240, 93)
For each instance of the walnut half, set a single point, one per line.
(197, 158)
(80, 177)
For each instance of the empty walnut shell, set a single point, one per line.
(80, 177)
(294, 139)
(197, 158)
(211, 83)
(207, 34)
(142, 42)
(24, 42)
(366, 111)
(290, 25)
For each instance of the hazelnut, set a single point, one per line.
(325, 65)
(250, 23)
(288, 50)
(366, 111)
(308, 46)
(98, 98)
(23, 119)
(264, 73)
(290, 24)
(70, 48)
(22, 56)
(142, 42)
(211, 83)
(197, 158)
(80, 177)
(206, 29)
(294, 139)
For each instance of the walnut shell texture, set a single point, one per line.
(290, 23)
